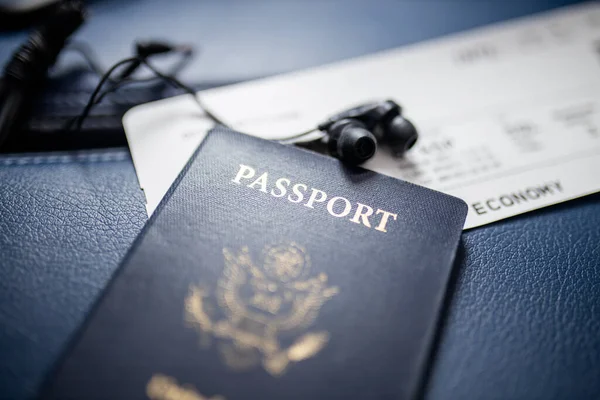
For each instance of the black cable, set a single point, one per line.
(116, 85)
(78, 121)
(189, 90)
(132, 61)
(290, 139)
(89, 56)
(207, 111)
(97, 96)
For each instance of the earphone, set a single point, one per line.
(352, 135)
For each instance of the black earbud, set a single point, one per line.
(351, 141)
(354, 134)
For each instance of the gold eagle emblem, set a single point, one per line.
(262, 310)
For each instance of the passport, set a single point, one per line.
(271, 272)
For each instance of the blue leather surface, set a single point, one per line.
(524, 315)
(65, 222)
(522, 318)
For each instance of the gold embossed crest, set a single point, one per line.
(263, 309)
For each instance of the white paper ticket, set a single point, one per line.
(508, 115)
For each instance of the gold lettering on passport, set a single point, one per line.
(336, 206)
(263, 309)
(162, 387)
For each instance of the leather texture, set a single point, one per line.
(386, 286)
(523, 315)
(521, 321)
(65, 222)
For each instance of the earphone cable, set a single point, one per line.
(78, 121)
(177, 83)
(97, 96)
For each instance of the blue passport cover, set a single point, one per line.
(270, 272)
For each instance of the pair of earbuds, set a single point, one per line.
(353, 135)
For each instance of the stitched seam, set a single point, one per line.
(65, 158)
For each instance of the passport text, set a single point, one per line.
(300, 193)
